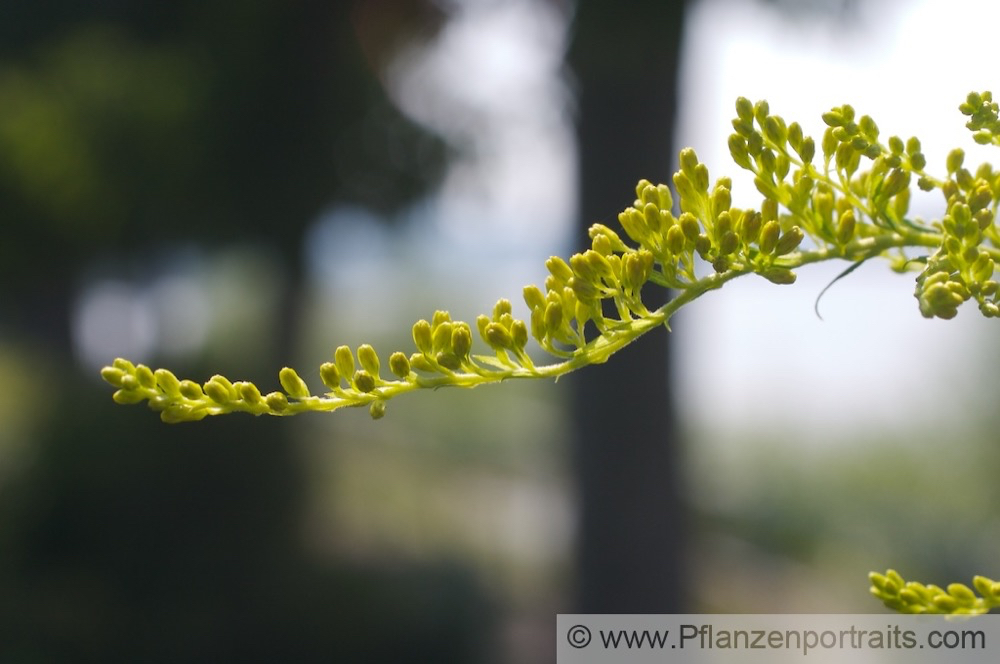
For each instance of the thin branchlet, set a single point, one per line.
(853, 206)
(845, 197)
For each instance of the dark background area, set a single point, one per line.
(128, 127)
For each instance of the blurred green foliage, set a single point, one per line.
(127, 124)
(127, 129)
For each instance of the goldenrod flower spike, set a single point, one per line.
(852, 206)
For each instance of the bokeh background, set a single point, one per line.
(231, 187)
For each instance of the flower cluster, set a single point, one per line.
(962, 267)
(852, 206)
(913, 597)
(984, 121)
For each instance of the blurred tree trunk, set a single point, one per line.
(629, 560)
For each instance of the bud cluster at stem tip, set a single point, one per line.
(913, 597)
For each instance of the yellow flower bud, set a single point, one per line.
(982, 268)
(761, 111)
(181, 413)
(775, 131)
(808, 150)
(230, 388)
(329, 374)
(448, 360)
(368, 359)
(363, 381)
(461, 340)
(168, 382)
(685, 188)
(984, 218)
(769, 236)
(962, 593)
(502, 307)
(879, 581)
(795, 135)
(217, 392)
(688, 223)
(602, 245)
(729, 243)
(497, 336)
(159, 404)
(955, 159)
(651, 215)
(675, 239)
(701, 179)
(145, 376)
(769, 210)
(688, 159)
(896, 181)
(440, 317)
(191, 390)
(597, 230)
(738, 151)
(276, 401)
(292, 384)
(986, 587)
(248, 392)
(482, 322)
(519, 333)
(946, 603)
(553, 317)
(666, 199)
(789, 241)
(749, 226)
(830, 143)
(845, 226)
(344, 359)
(538, 324)
(583, 289)
(113, 376)
(442, 337)
(980, 198)
(641, 193)
(582, 270)
(123, 365)
(377, 410)
(600, 265)
(558, 268)
(964, 179)
(723, 224)
(721, 200)
(634, 224)
(421, 339)
(127, 397)
(703, 245)
(779, 275)
(399, 364)
(744, 109)
(419, 362)
(636, 269)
